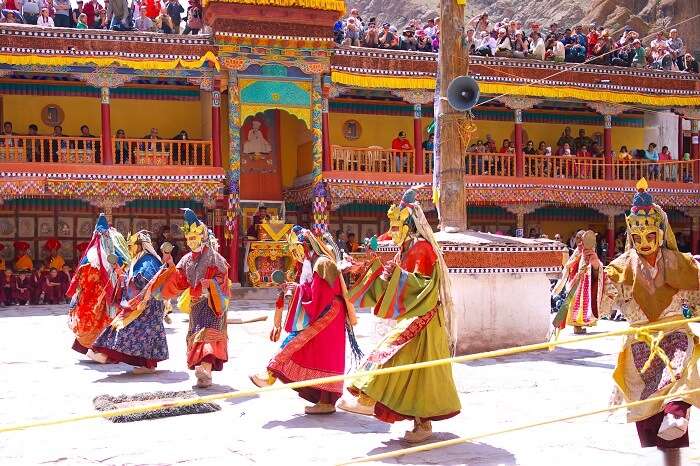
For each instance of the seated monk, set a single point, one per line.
(37, 277)
(22, 259)
(22, 287)
(54, 260)
(53, 288)
(6, 291)
(65, 277)
(2, 261)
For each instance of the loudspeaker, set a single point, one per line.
(463, 93)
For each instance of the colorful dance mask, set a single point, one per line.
(645, 223)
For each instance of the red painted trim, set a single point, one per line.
(519, 158)
(607, 152)
(107, 158)
(95, 169)
(418, 146)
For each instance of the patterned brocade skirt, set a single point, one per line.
(141, 343)
(207, 340)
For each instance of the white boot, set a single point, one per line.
(673, 427)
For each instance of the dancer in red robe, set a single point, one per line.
(319, 314)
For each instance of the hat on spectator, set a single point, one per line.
(386, 25)
(421, 33)
(628, 28)
(392, 29)
(535, 25)
(21, 246)
(52, 244)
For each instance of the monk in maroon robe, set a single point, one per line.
(53, 288)
(37, 285)
(22, 288)
(6, 291)
(65, 277)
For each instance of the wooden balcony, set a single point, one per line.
(375, 159)
(49, 149)
(88, 151)
(372, 159)
(158, 152)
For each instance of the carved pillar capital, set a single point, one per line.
(606, 108)
(519, 103)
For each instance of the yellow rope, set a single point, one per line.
(340, 378)
(457, 441)
(655, 349)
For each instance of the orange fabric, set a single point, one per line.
(196, 352)
(420, 258)
(401, 144)
(89, 317)
(24, 263)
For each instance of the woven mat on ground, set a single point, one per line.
(109, 402)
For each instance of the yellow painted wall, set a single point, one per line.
(136, 117)
(295, 150)
(23, 110)
(376, 130)
(381, 130)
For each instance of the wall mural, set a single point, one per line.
(257, 155)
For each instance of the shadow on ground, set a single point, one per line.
(464, 453)
(340, 421)
(126, 376)
(561, 355)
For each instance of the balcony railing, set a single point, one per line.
(161, 152)
(377, 159)
(490, 164)
(49, 149)
(373, 159)
(85, 151)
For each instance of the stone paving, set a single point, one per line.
(40, 378)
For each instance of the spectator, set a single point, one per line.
(661, 57)
(194, 18)
(87, 145)
(669, 168)
(582, 140)
(353, 245)
(352, 32)
(62, 16)
(542, 149)
(33, 148)
(163, 23)
(436, 42)
(481, 24)
(487, 46)
(675, 46)
(425, 43)
(82, 21)
(119, 12)
(506, 148)
(591, 40)
(639, 58)
(388, 38)
(565, 138)
(595, 149)
(565, 149)
(75, 13)
(44, 19)
(503, 45)
(175, 11)
(430, 29)
(181, 154)
(660, 39)
(371, 38)
(469, 42)
(689, 64)
(58, 143)
(652, 155)
(602, 49)
(121, 148)
(625, 56)
(338, 32)
(530, 148)
(624, 155)
(30, 11)
(354, 14)
(91, 9)
(144, 23)
(400, 144)
(520, 48)
(555, 50)
(340, 240)
(409, 41)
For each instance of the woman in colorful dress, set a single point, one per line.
(318, 317)
(200, 281)
(136, 336)
(414, 289)
(92, 287)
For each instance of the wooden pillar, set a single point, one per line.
(419, 169)
(216, 126)
(325, 130)
(106, 138)
(695, 148)
(607, 147)
(449, 147)
(519, 156)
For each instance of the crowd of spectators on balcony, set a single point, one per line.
(165, 16)
(509, 38)
(657, 164)
(50, 148)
